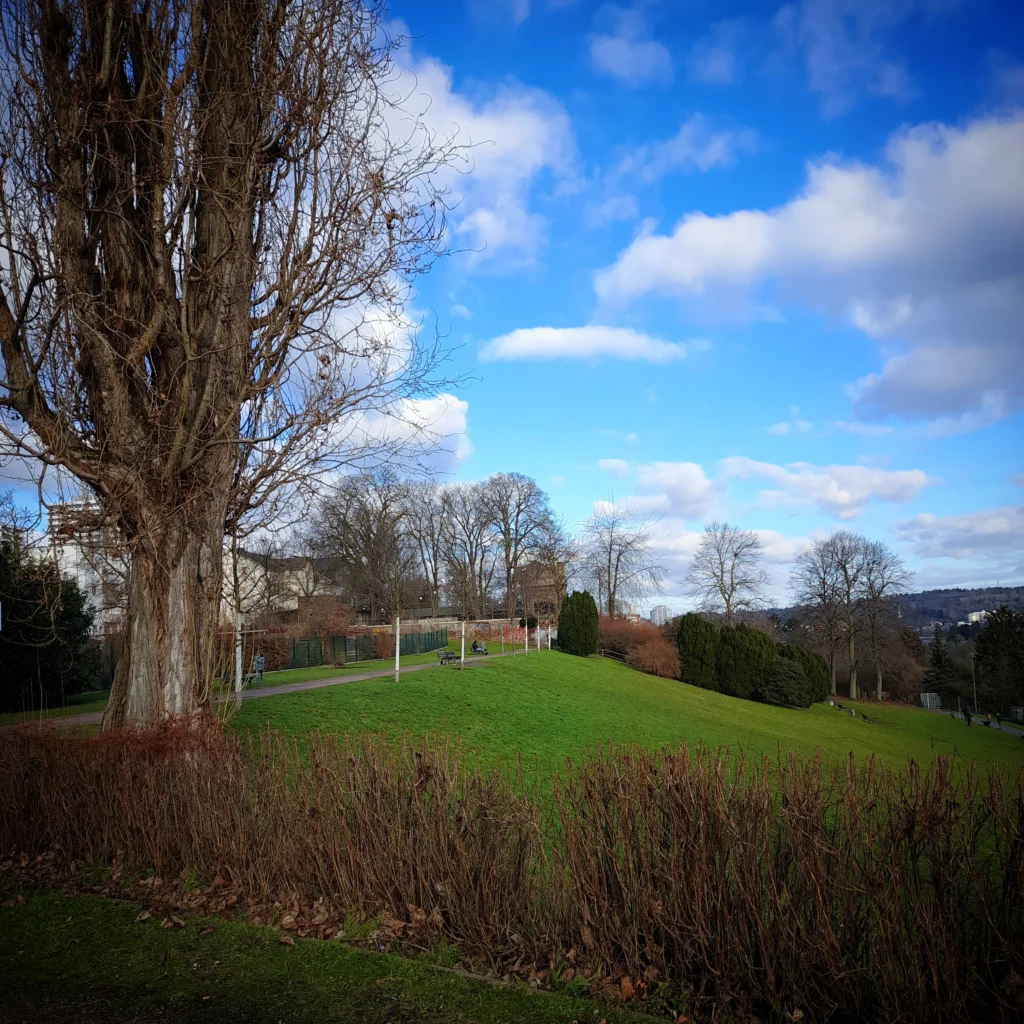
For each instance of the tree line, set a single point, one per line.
(845, 584)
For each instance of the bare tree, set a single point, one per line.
(726, 571)
(815, 584)
(847, 550)
(884, 575)
(210, 211)
(467, 550)
(363, 525)
(619, 555)
(558, 555)
(425, 525)
(518, 510)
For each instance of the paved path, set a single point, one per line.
(979, 720)
(95, 717)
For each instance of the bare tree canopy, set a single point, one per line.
(815, 585)
(726, 573)
(210, 211)
(364, 525)
(619, 559)
(519, 513)
(834, 577)
(884, 575)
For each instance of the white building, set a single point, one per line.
(90, 552)
(977, 616)
(660, 614)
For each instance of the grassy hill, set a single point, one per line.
(551, 706)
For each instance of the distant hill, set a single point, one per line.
(948, 606)
(955, 604)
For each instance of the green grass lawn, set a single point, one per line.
(302, 675)
(79, 704)
(551, 706)
(86, 948)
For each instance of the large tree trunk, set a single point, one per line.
(878, 673)
(853, 668)
(174, 588)
(832, 669)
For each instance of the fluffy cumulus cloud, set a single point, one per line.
(921, 252)
(512, 138)
(842, 491)
(585, 343)
(433, 430)
(678, 489)
(985, 533)
(845, 46)
(626, 50)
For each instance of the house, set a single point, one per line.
(257, 582)
(542, 588)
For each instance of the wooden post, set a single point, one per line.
(462, 657)
(398, 645)
(549, 638)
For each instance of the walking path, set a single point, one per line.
(979, 720)
(95, 717)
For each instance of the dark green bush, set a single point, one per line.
(742, 661)
(578, 624)
(45, 651)
(815, 668)
(698, 642)
(786, 684)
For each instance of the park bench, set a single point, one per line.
(447, 657)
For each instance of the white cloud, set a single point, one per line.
(557, 481)
(679, 489)
(437, 426)
(842, 491)
(712, 59)
(585, 343)
(632, 438)
(628, 53)
(514, 136)
(845, 47)
(985, 533)
(695, 147)
(615, 468)
(862, 429)
(922, 253)
(460, 310)
(615, 207)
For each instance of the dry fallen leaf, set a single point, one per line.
(626, 985)
(144, 916)
(166, 923)
(286, 940)
(208, 930)
(798, 1015)
(177, 921)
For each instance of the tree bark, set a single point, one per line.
(853, 667)
(832, 667)
(174, 586)
(878, 670)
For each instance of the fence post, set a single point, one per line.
(398, 645)
(238, 656)
(462, 659)
(538, 637)
(503, 638)
(549, 638)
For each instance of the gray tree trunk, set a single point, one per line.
(167, 661)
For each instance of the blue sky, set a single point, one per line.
(745, 261)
